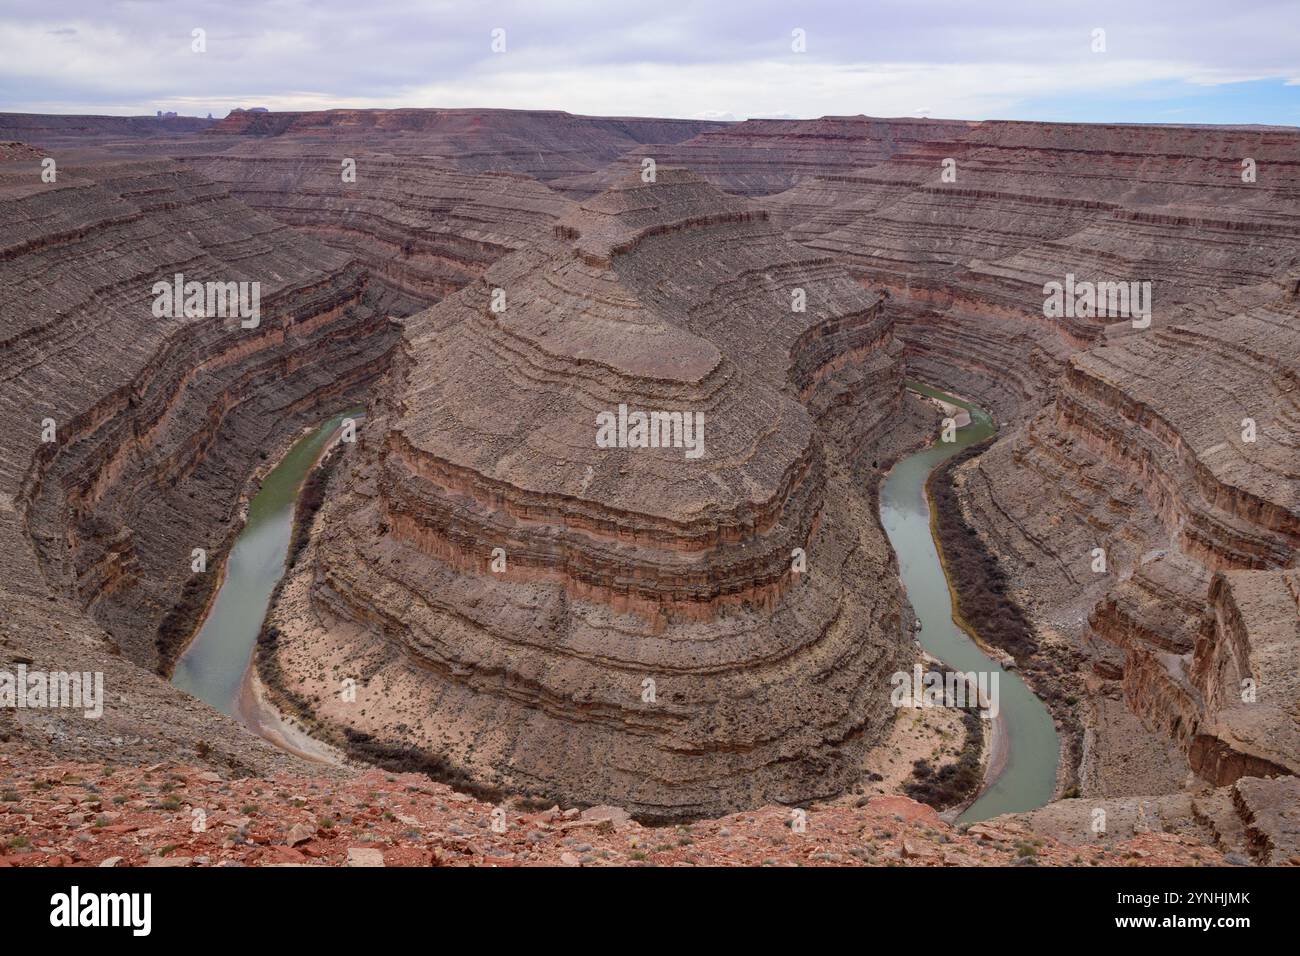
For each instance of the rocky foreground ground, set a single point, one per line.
(80, 814)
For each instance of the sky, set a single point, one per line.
(1146, 61)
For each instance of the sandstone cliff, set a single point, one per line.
(128, 437)
(1173, 459)
(623, 565)
(421, 226)
(620, 565)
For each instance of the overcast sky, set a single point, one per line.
(1164, 61)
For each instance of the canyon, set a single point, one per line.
(627, 564)
(499, 588)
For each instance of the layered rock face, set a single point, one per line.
(965, 260)
(966, 232)
(432, 198)
(544, 613)
(1173, 460)
(762, 157)
(503, 587)
(1208, 415)
(60, 130)
(1245, 676)
(422, 227)
(964, 223)
(1252, 819)
(1140, 447)
(130, 430)
(543, 144)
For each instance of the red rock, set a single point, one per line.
(285, 854)
(915, 849)
(909, 810)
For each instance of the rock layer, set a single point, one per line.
(423, 227)
(966, 248)
(621, 565)
(129, 435)
(1140, 447)
(1173, 457)
(760, 157)
(543, 144)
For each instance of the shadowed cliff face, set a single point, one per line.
(643, 639)
(129, 435)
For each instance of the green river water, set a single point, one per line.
(1028, 777)
(212, 667)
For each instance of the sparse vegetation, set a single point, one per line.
(310, 499)
(976, 576)
(176, 629)
(953, 782)
(984, 602)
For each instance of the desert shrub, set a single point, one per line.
(953, 782)
(310, 499)
(981, 585)
(180, 623)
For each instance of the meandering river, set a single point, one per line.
(213, 666)
(1026, 748)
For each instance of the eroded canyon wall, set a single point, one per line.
(627, 564)
(129, 434)
(963, 223)
(966, 234)
(762, 157)
(1140, 449)
(423, 227)
(543, 144)
(153, 427)
(1172, 459)
(641, 636)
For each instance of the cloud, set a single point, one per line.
(734, 57)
